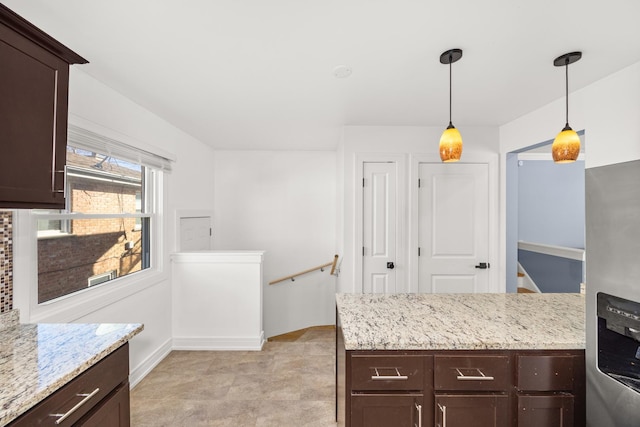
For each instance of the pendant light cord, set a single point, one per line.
(450, 80)
(566, 79)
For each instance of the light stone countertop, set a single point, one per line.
(462, 321)
(38, 359)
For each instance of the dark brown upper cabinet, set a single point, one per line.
(34, 83)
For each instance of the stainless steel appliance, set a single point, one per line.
(613, 295)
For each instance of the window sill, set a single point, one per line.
(74, 306)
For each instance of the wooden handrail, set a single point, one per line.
(333, 264)
(320, 267)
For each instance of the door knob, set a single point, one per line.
(390, 266)
(483, 265)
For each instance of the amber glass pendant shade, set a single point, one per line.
(566, 146)
(450, 145)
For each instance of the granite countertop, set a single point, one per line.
(38, 359)
(462, 321)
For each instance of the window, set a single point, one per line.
(106, 231)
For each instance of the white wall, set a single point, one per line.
(217, 300)
(189, 185)
(282, 202)
(402, 143)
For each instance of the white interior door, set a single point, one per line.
(453, 206)
(379, 246)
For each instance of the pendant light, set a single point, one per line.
(451, 140)
(566, 146)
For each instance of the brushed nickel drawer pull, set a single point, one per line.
(397, 377)
(66, 415)
(419, 409)
(481, 377)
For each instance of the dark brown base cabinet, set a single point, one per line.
(460, 388)
(99, 397)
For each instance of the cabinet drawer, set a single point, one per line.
(387, 373)
(545, 373)
(477, 373)
(91, 387)
(388, 410)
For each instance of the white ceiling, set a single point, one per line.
(258, 74)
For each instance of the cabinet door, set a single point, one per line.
(545, 410)
(33, 123)
(472, 410)
(387, 410)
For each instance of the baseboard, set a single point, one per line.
(219, 343)
(142, 370)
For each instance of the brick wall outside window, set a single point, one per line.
(93, 246)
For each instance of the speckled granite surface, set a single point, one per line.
(37, 359)
(462, 321)
(9, 319)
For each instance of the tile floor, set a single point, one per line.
(285, 384)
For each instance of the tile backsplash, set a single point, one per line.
(6, 262)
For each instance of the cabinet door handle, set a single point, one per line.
(397, 377)
(481, 377)
(419, 409)
(87, 397)
(443, 409)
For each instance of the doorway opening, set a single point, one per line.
(545, 221)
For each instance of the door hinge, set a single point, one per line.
(363, 251)
(418, 182)
(363, 182)
(418, 251)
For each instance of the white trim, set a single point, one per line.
(219, 343)
(143, 369)
(542, 156)
(558, 251)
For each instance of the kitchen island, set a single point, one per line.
(64, 365)
(451, 359)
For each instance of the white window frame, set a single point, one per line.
(84, 302)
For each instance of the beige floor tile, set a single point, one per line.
(285, 384)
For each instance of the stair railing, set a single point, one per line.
(292, 277)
